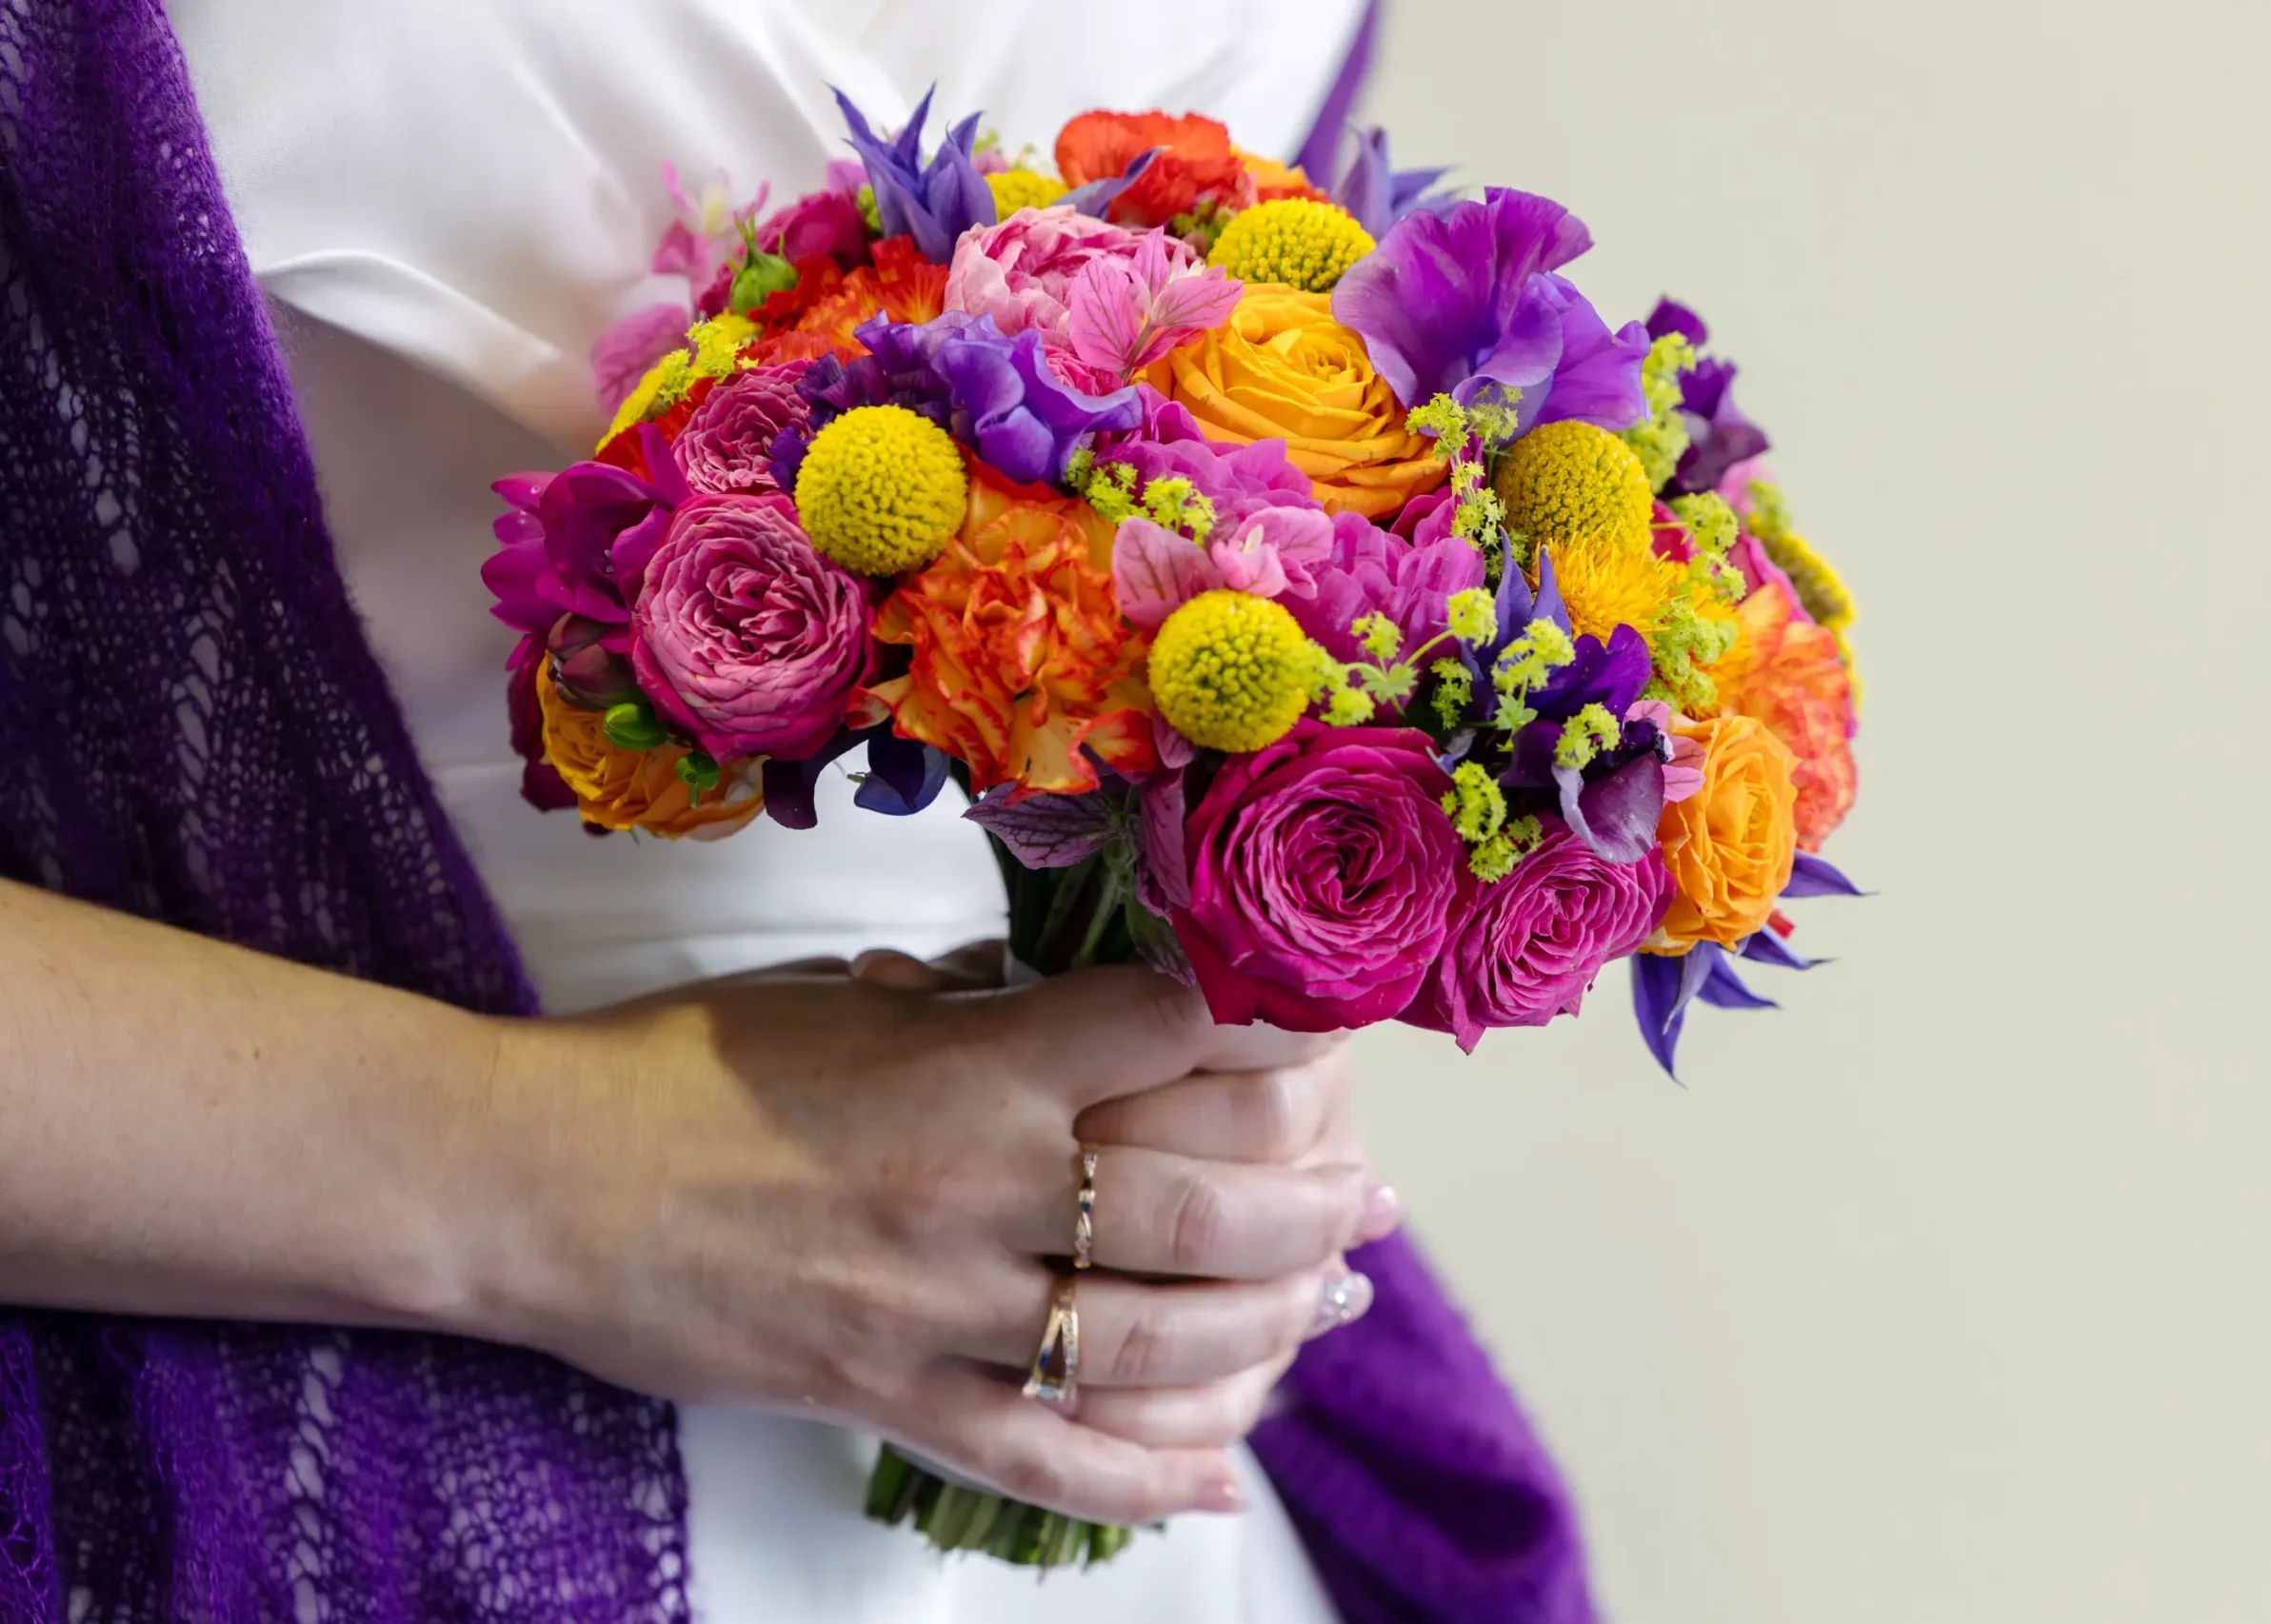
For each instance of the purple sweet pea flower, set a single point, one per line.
(1015, 413)
(995, 394)
(1457, 302)
(935, 204)
(577, 541)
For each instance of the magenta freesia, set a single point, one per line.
(1322, 871)
(1527, 948)
(727, 444)
(744, 635)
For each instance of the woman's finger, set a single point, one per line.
(983, 1428)
(1135, 1333)
(1278, 1117)
(1097, 1034)
(1161, 1214)
(971, 967)
(1212, 1417)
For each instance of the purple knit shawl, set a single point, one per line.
(193, 729)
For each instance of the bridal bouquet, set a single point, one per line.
(1313, 595)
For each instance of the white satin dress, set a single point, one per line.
(447, 202)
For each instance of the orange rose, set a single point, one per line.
(637, 789)
(1020, 658)
(1791, 679)
(1730, 846)
(1198, 162)
(1281, 368)
(1273, 179)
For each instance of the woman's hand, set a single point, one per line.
(819, 1194)
(1293, 1116)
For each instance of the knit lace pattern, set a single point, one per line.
(195, 731)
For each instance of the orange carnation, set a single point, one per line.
(637, 789)
(1198, 162)
(901, 284)
(1730, 846)
(1020, 658)
(1791, 679)
(1281, 368)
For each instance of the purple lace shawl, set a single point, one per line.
(195, 730)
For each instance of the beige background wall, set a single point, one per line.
(1938, 1297)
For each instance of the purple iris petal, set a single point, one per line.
(1379, 195)
(1768, 948)
(933, 204)
(1615, 814)
(1724, 989)
(788, 785)
(1661, 990)
(1452, 303)
(1098, 196)
(1812, 877)
(1015, 413)
(1608, 674)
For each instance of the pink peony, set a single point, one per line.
(744, 635)
(1323, 870)
(727, 444)
(1021, 272)
(1527, 947)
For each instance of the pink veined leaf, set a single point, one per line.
(1105, 316)
(1045, 831)
(1287, 545)
(1198, 301)
(1156, 572)
(1125, 315)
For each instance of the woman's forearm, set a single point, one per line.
(191, 1128)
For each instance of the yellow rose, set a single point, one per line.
(1730, 846)
(1281, 368)
(638, 789)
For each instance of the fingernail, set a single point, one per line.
(1341, 1302)
(1224, 1494)
(1384, 1214)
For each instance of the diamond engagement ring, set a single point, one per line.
(1056, 1373)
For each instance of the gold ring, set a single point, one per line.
(1056, 1373)
(1084, 1227)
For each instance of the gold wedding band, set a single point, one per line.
(1056, 1373)
(1084, 1227)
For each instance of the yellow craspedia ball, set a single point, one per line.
(1014, 189)
(1570, 480)
(882, 491)
(1232, 672)
(1295, 241)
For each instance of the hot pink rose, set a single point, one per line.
(727, 444)
(744, 635)
(1527, 947)
(1021, 272)
(1323, 870)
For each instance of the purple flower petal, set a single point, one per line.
(1598, 378)
(1098, 196)
(1615, 814)
(1768, 948)
(934, 205)
(1724, 989)
(1811, 875)
(1658, 1006)
(904, 775)
(1670, 316)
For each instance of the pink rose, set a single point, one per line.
(1021, 272)
(744, 635)
(727, 444)
(1527, 947)
(1323, 870)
